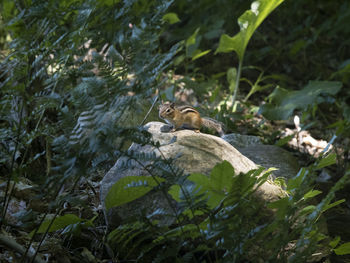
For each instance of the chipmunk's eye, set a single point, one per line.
(168, 110)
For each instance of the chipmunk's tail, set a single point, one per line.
(214, 124)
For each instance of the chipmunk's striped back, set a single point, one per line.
(187, 117)
(185, 109)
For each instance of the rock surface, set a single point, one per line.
(194, 152)
(273, 156)
(265, 155)
(240, 141)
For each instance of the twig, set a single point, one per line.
(12, 244)
(149, 111)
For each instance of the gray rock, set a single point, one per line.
(241, 141)
(265, 155)
(194, 153)
(273, 156)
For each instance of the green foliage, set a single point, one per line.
(211, 221)
(130, 188)
(327, 161)
(77, 77)
(283, 103)
(171, 18)
(77, 103)
(213, 188)
(248, 23)
(69, 222)
(76, 74)
(343, 249)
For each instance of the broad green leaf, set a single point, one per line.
(171, 18)
(201, 181)
(174, 191)
(343, 249)
(311, 193)
(216, 186)
(205, 186)
(327, 161)
(202, 186)
(333, 204)
(219, 183)
(282, 103)
(192, 43)
(313, 89)
(281, 206)
(256, 88)
(335, 242)
(130, 188)
(198, 53)
(253, 177)
(308, 210)
(221, 180)
(221, 176)
(228, 44)
(248, 23)
(59, 223)
(192, 39)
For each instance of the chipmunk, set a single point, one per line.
(187, 117)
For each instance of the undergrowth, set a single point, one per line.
(78, 79)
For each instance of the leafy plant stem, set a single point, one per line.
(254, 87)
(187, 200)
(238, 77)
(166, 194)
(7, 196)
(182, 189)
(48, 161)
(48, 157)
(52, 220)
(163, 190)
(32, 238)
(44, 236)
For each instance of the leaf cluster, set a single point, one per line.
(220, 219)
(77, 78)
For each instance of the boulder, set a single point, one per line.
(265, 155)
(273, 156)
(194, 153)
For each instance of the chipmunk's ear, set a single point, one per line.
(172, 105)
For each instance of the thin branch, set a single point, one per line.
(9, 242)
(149, 111)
